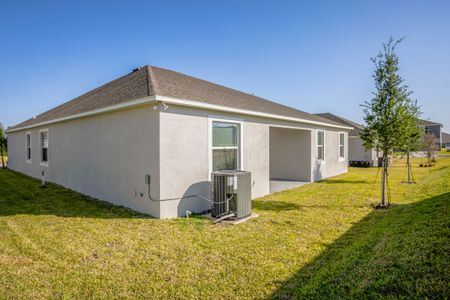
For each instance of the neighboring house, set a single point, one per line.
(356, 149)
(150, 139)
(445, 140)
(433, 128)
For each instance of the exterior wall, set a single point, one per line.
(185, 169)
(332, 165)
(104, 156)
(107, 156)
(290, 154)
(436, 130)
(357, 151)
(184, 149)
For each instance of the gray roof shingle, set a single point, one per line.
(357, 128)
(445, 137)
(151, 81)
(428, 123)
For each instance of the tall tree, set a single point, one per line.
(391, 113)
(3, 145)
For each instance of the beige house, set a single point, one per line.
(356, 151)
(150, 139)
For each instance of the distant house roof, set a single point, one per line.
(428, 123)
(445, 138)
(357, 128)
(153, 81)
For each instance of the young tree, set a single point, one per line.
(3, 145)
(430, 146)
(412, 142)
(390, 114)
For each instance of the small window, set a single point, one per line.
(341, 145)
(320, 145)
(44, 146)
(28, 143)
(225, 146)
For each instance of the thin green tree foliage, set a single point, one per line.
(391, 115)
(3, 146)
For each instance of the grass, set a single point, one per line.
(322, 240)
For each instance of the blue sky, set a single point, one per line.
(312, 55)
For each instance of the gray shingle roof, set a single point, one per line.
(445, 137)
(357, 128)
(428, 123)
(151, 81)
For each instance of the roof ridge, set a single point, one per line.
(150, 81)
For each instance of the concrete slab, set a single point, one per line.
(277, 185)
(239, 221)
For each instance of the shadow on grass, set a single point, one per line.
(403, 251)
(279, 206)
(20, 194)
(276, 206)
(333, 181)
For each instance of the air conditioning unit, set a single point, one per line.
(232, 194)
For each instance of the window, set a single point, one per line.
(320, 145)
(225, 146)
(341, 145)
(28, 143)
(44, 146)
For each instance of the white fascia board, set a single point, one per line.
(181, 102)
(111, 108)
(197, 104)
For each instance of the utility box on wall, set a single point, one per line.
(232, 194)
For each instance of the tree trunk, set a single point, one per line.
(408, 163)
(1, 155)
(385, 163)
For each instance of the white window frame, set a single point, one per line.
(240, 146)
(343, 146)
(44, 163)
(317, 146)
(28, 159)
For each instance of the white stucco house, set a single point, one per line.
(150, 139)
(357, 153)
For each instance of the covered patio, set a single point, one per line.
(290, 158)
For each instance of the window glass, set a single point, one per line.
(225, 146)
(320, 145)
(225, 159)
(224, 134)
(44, 146)
(28, 146)
(320, 138)
(341, 145)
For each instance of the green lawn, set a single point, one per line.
(322, 240)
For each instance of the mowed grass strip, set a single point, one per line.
(322, 240)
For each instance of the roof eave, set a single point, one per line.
(181, 102)
(117, 107)
(197, 104)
